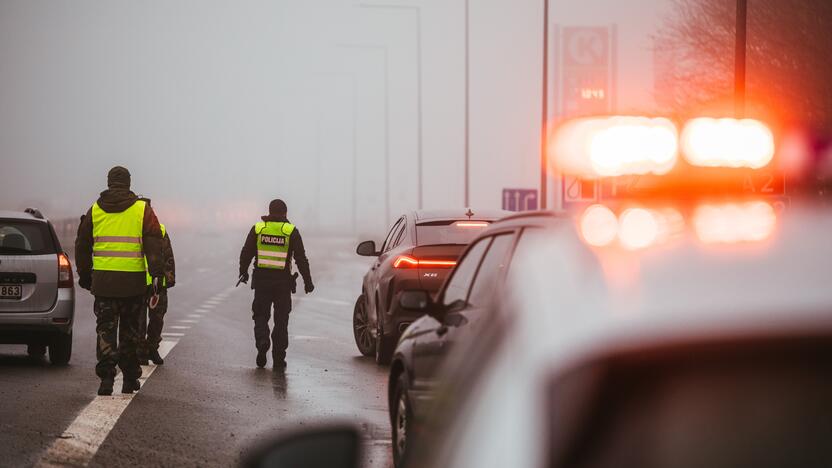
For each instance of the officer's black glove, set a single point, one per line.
(244, 277)
(85, 281)
(308, 287)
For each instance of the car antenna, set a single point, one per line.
(469, 214)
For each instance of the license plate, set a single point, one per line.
(12, 291)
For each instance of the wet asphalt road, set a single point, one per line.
(209, 403)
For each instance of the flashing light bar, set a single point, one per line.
(744, 143)
(627, 145)
(615, 146)
(406, 261)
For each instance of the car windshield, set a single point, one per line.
(449, 232)
(761, 408)
(25, 238)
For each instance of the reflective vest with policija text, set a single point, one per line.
(273, 244)
(117, 239)
(150, 278)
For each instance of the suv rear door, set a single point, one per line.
(28, 258)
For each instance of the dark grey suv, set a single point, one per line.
(37, 294)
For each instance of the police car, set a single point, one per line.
(688, 324)
(37, 295)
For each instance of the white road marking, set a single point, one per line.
(179, 327)
(208, 306)
(172, 334)
(188, 321)
(81, 440)
(202, 311)
(212, 302)
(198, 316)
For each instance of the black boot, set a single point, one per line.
(106, 387)
(278, 362)
(130, 386)
(156, 358)
(261, 359)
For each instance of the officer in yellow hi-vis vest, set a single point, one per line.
(114, 238)
(152, 318)
(273, 243)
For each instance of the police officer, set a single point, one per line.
(273, 243)
(114, 238)
(150, 334)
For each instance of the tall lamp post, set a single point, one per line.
(544, 127)
(467, 150)
(418, 11)
(740, 60)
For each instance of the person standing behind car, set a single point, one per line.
(150, 328)
(114, 238)
(273, 243)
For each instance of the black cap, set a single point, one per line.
(277, 208)
(118, 177)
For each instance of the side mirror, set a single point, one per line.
(333, 447)
(367, 249)
(415, 300)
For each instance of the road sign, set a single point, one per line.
(578, 192)
(520, 199)
(586, 71)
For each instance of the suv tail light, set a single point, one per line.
(65, 279)
(406, 261)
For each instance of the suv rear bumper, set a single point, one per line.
(27, 327)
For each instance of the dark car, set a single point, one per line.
(420, 250)
(37, 294)
(458, 310)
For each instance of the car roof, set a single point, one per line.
(571, 303)
(22, 215)
(458, 214)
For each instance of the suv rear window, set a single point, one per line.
(449, 232)
(19, 237)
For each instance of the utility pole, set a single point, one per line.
(740, 60)
(544, 130)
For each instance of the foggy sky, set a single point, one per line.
(217, 106)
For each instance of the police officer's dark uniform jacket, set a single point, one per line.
(273, 287)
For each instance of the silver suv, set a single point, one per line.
(37, 294)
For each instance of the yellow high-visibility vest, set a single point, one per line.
(117, 239)
(273, 244)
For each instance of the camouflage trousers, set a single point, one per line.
(151, 322)
(117, 329)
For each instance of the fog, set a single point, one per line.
(336, 106)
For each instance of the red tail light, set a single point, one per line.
(64, 272)
(405, 261)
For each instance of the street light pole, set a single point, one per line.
(740, 59)
(544, 127)
(418, 10)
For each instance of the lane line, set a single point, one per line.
(80, 441)
(179, 327)
(188, 321)
(202, 311)
(173, 334)
(196, 316)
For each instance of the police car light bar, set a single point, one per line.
(745, 143)
(614, 146)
